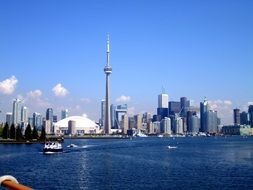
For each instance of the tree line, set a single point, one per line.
(15, 133)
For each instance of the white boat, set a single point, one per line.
(160, 136)
(141, 135)
(172, 147)
(52, 147)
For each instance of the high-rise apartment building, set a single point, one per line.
(16, 112)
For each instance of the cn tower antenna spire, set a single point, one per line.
(108, 51)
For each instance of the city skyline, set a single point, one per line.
(58, 61)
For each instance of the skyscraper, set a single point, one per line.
(204, 107)
(166, 126)
(9, 118)
(102, 117)
(211, 122)
(64, 113)
(244, 118)
(49, 114)
(251, 115)
(237, 116)
(194, 124)
(108, 71)
(174, 107)
(16, 113)
(37, 120)
(185, 106)
(24, 115)
(163, 100)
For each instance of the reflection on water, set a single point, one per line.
(196, 163)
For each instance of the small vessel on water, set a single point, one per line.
(172, 147)
(52, 147)
(72, 146)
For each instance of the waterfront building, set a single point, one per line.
(64, 113)
(204, 108)
(174, 107)
(250, 111)
(82, 126)
(131, 122)
(125, 123)
(244, 130)
(9, 118)
(102, 116)
(244, 118)
(16, 112)
(150, 127)
(194, 124)
(211, 122)
(156, 127)
(236, 116)
(166, 126)
(179, 125)
(71, 127)
(108, 71)
(138, 121)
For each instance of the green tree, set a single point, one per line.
(13, 132)
(19, 135)
(43, 134)
(35, 133)
(28, 132)
(5, 131)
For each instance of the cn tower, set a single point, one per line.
(108, 71)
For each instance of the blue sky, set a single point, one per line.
(192, 48)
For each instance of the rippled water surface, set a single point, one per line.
(143, 163)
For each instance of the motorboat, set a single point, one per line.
(52, 147)
(172, 147)
(72, 146)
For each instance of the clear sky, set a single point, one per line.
(192, 48)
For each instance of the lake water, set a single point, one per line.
(141, 163)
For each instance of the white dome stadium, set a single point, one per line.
(78, 124)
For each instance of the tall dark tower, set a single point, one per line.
(237, 116)
(108, 71)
